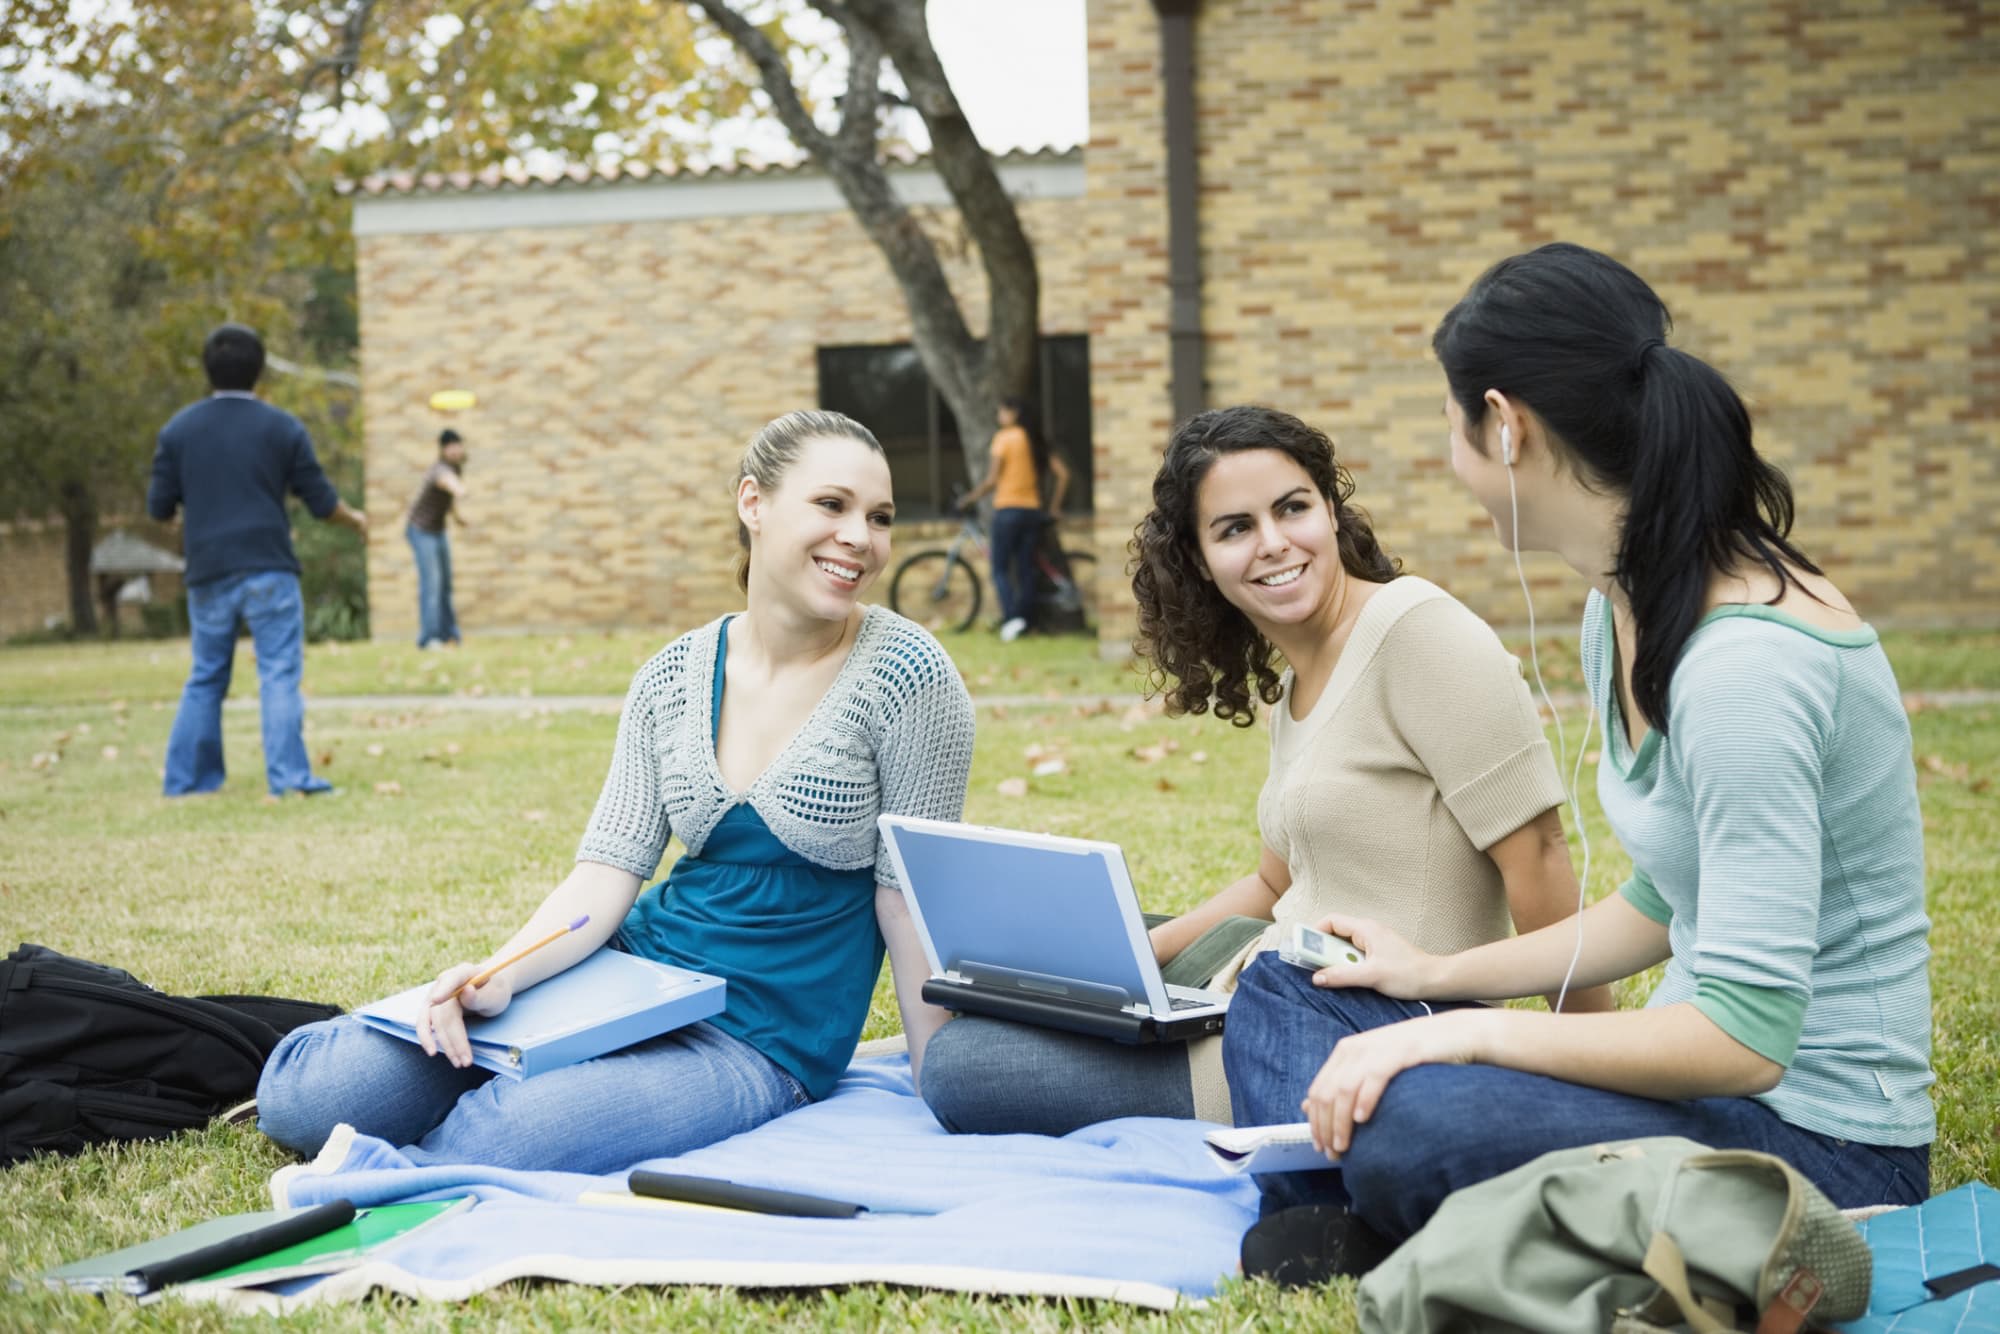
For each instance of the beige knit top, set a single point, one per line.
(1424, 750)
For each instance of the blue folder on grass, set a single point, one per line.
(610, 1000)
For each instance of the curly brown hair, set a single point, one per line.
(1204, 653)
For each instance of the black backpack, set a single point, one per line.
(89, 1053)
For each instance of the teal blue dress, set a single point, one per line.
(797, 943)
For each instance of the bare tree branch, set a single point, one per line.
(775, 74)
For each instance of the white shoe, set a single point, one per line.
(1012, 630)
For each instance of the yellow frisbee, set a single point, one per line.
(452, 400)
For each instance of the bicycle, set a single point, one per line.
(942, 590)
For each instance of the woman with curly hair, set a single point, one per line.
(1409, 782)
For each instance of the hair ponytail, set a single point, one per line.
(1581, 339)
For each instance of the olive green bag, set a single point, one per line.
(1635, 1237)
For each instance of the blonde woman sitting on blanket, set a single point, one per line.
(1409, 779)
(768, 742)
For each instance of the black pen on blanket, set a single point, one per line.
(720, 1194)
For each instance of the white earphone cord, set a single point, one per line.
(1562, 746)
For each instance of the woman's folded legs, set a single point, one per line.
(1439, 1128)
(992, 1077)
(678, 1092)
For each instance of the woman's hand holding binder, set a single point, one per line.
(441, 1027)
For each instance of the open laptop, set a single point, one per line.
(1039, 929)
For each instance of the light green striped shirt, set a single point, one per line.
(1775, 832)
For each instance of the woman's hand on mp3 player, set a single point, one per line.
(1389, 964)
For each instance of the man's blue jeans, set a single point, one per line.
(269, 601)
(1442, 1127)
(680, 1091)
(436, 621)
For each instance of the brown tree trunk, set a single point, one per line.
(79, 512)
(972, 377)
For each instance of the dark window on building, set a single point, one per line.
(885, 389)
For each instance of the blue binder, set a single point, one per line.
(610, 1000)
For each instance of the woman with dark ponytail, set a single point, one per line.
(1409, 776)
(1756, 766)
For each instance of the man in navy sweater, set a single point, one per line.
(227, 463)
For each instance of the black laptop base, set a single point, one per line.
(1092, 1021)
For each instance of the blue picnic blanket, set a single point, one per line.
(1943, 1235)
(1132, 1210)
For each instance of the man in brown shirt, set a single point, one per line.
(443, 484)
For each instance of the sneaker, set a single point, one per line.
(1310, 1244)
(1012, 630)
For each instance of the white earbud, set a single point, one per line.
(1506, 445)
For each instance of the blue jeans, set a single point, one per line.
(677, 1092)
(1442, 1127)
(991, 1077)
(1015, 532)
(436, 621)
(269, 601)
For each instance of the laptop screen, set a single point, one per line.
(1048, 910)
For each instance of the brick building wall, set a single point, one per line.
(35, 590)
(34, 578)
(1813, 188)
(620, 368)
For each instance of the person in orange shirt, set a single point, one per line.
(1022, 462)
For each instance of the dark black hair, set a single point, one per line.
(1203, 650)
(449, 437)
(1038, 444)
(233, 356)
(1581, 340)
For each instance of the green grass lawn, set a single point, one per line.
(503, 666)
(453, 824)
(601, 663)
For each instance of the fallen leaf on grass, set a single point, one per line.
(325, 759)
(1012, 787)
(534, 817)
(999, 713)
(1199, 757)
(45, 759)
(391, 788)
(1055, 764)
(1152, 754)
(1164, 785)
(375, 749)
(109, 752)
(1944, 768)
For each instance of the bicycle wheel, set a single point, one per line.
(937, 590)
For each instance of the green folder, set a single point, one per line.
(342, 1248)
